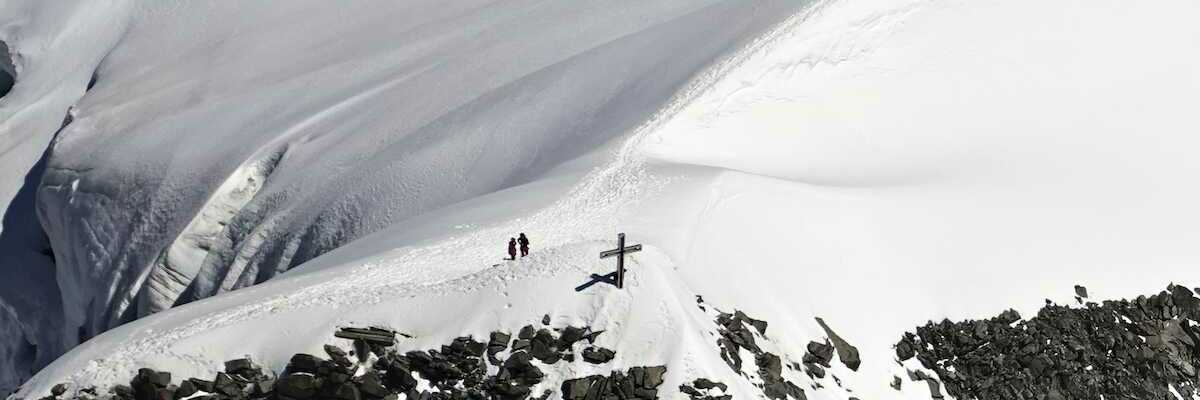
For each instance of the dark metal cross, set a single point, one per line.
(614, 278)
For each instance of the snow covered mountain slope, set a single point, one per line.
(888, 164)
(221, 144)
(874, 163)
(51, 49)
(271, 155)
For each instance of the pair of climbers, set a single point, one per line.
(521, 241)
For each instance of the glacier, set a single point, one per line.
(240, 179)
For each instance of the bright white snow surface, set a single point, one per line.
(876, 163)
(223, 143)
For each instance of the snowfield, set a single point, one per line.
(216, 149)
(240, 180)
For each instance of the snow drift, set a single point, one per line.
(874, 163)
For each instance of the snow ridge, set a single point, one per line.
(363, 155)
(585, 215)
(386, 115)
(873, 167)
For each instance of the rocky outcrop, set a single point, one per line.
(598, 355)
(817, 357)
(1141, 348)
(704, 389)
(376, 371)
(637, 383)
(847, 353)
(737, 333)
(501, 366)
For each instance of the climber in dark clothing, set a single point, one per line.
(512, 248)
(524, 242)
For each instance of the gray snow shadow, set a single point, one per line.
(28, 284)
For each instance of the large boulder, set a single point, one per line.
(577, 389)
(847, 353)
(304, 363)
(820, 353)
(339, 356)
(519, 368)
(226, 385)
(371, 385)
(239, 365)
(598, 355)
(570, 335)
(186, 389)
(339, 391)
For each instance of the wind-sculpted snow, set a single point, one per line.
(177, 267)
(223, 144)
(51, 49)
(874, 163)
